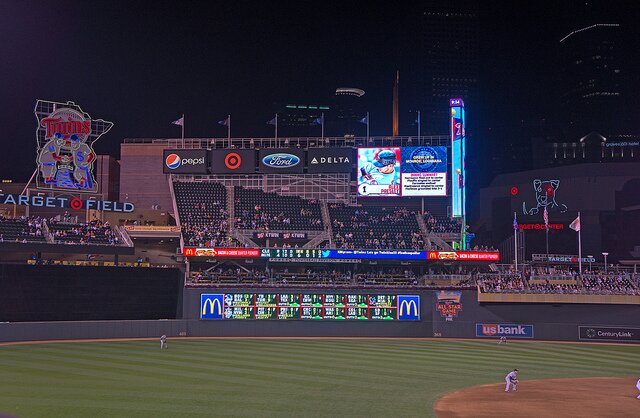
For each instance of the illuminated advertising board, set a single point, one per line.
(504, 330)
(457, 128)
(402, 171)
(65, 155)
(233, 161)
(464, 255)
(424, 171)
(221, 252)
(281, 160)
(330, 160)
(379, 172)
(310, 306)
(185, 161)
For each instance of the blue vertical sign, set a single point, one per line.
(408, 307)
(211, 306)
(457, 157)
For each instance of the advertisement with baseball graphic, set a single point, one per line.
(379, 171)
(65, 138)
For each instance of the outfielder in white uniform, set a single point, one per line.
(638, 386)
(512, 380)
(163, 342)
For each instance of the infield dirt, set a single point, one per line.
(589, 397)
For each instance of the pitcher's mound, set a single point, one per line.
(592, 397)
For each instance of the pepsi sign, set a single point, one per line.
(285, 160)
(181, 161)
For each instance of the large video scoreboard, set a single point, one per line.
(302, 306)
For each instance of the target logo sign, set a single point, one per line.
(232, 160)
(75, 204)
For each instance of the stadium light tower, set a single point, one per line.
(605, 262)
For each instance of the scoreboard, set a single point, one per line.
(310, 306)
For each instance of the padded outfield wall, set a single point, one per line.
(468, 318)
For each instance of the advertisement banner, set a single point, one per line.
(504, 330)
(281, 160)
(379, 172)
(561, 258)
(448, 303)
(458, 163)
(424, 171)
(221, 252)
(330, 160)
(619, 334)
(280, 235)
(233, 161)
(185, 161)
(375, 254)
(464, 255)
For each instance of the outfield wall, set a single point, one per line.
(541, 321)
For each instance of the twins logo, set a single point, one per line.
(172, 161)
(545, 197)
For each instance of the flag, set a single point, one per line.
(224, 122)
(365, 120)
(179, 121)
(515, 223)
(317, 121)
(575, 225)
(273, 121)
(545, 216)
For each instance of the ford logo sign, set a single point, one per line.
(281, 160)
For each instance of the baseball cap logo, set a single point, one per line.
(172, 161)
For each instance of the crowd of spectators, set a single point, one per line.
(559, 281)
(93, 232)
(442, 225)
(609, 284)
(375, 228)
(23, 229)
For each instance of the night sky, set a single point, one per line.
(142, 64)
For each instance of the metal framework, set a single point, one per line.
(297, 142)
(322, 187)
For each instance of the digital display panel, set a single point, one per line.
(310, 306)
(402, 171)
(424, 171)
(458, 165)
(379, 172)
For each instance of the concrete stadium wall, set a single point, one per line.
(550, 322)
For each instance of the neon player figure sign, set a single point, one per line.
(65, 137)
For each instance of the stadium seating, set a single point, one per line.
(23, 229)
(257, 210)
(202, 208)
(442, 225)
(375, 228)
(94, 232)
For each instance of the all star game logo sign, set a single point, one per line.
(65, 155)
(448, 303)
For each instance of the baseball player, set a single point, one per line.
(638, 386)
(502, 340)
(163, 342)
(381, 170)
(512, 380)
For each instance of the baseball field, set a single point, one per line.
(314, 378)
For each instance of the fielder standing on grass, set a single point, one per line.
(638, 386)
(512, 380)
(163, 342)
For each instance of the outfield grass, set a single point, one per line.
(277, 378)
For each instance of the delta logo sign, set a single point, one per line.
(504, 330)
(211, 305)
(65, 136)
(408, 308)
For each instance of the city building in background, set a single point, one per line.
(349, 110)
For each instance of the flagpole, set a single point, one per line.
(322, 125)
(229, 130)
(579, 247)
(276, 130)
(367, 127)
(418, 127)
(183, 130)
(515, 240)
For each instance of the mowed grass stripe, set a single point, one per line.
(261, 377)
